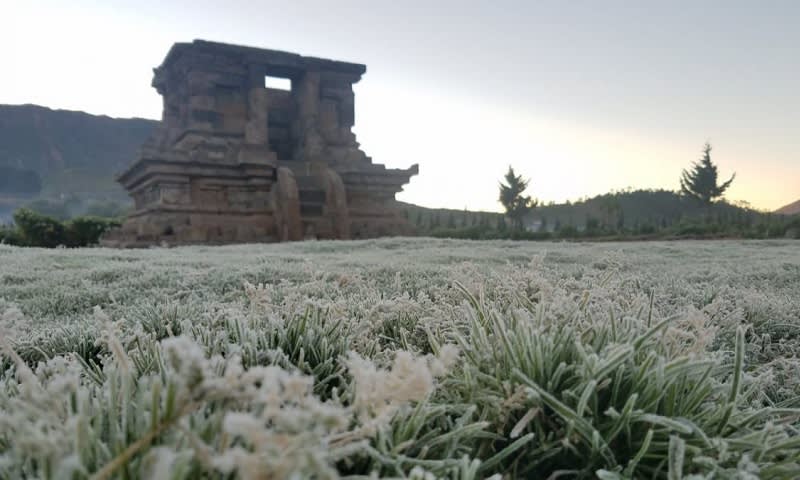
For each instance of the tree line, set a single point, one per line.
(696, 210)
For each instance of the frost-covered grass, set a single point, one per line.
(403, 358)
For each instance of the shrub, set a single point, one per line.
(526, 235)
(646, 229)
(568, 231)
(84, 231)
(793, 228)
(9, 235)
(693, 229)
(38, 230)
(776, 230)
(476, 232)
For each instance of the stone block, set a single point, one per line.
(200, 83)
(228, 95)
(256, 133)
(196, 234)
(233, 125)
(206, 116)
(175, 195)
(257, 154)
(202, 102)
(230, 80)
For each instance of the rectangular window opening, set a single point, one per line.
(278, 83)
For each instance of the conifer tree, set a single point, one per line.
(512, 198)
(700, 182)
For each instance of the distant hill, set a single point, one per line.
(55, 153)
(791, 209)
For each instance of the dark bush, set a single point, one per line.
(9, 235)
(526, 235)
(84, 231)
(568, 231)
(468, 233)
(36, 230)
(793, 228)
(691, 229)
(776, 230)
(646, 229)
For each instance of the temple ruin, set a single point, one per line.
(237, 161)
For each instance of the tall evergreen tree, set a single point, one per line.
(512, 198)
(700, 182)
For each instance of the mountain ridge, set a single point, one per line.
(70, 151)
(791, 209)
(69, 110)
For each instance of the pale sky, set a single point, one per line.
(583, 97)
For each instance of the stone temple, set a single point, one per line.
(236, 161)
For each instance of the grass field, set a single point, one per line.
(402, 358)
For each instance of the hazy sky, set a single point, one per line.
(581, 96)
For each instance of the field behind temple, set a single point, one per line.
(403, 358)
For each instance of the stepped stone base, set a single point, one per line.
(165, 228)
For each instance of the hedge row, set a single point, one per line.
(32, 229)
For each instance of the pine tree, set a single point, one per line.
(512, 198)
(700, 182)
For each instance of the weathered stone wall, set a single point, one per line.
(235, 161)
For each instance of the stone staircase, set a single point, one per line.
(312, 208)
